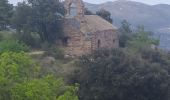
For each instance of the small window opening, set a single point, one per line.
(98, 43)
(65, 41)
(114, 40)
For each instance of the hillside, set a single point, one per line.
(154, 17)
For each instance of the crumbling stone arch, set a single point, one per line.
(76, 5)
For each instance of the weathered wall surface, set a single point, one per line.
(79, 43)
(76, 44)
(105, 39)
(86, 33)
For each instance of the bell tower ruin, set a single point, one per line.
(74, 8)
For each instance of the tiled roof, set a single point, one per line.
(94, 23)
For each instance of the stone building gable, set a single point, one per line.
(86, 33)
(85, 41)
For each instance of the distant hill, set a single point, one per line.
(155, 18)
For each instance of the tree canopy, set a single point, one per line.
(5, 13)
(20, 79)
(44, 15)
(142, 39)
(105, 15)
(125, 34)
(88, 12)
(137, 38)
(12, 46)
(119, 75)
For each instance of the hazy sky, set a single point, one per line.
(152, 2)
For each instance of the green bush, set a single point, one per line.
(45, 45)
(31, 39)
(120, 75)
(13, 46)
(7, 35)
(1, 37)
(20, 79)
(52, 50)
(48, 88)
(55, 52)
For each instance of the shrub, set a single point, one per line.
(31, 39)
(1, 37)
(55, 52)
(20, 79)
(119, 75)
(13, 46)
(7, 35)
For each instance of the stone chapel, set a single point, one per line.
(86, 33)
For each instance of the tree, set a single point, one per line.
(20, 79)
(13, 46)
(14, 68)
(22, 21)
(48, 88)
(105, 15)
(47, 18)
(142, 39)
(44, 15)
(5, 14)
(22, 17)
(88, 12)
(125, 34)
(119, 75)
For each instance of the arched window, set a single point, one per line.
(99, 43)
(73, 9)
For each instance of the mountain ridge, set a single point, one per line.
(153, 17)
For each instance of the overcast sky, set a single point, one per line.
(151, 2)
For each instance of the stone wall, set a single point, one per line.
(105, 39)
(79, 43)
(76, 44)
(98, 33)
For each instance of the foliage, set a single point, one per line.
(105, 15)
(55, 52)
(12, 46)
(5, 14)
(125, 34)
(44, 15)
(7, 35)
(119, 75)
(31, 39)
(48, 88)
(70, 95)
(135, 39)
(20, 79)
(17, 66)
(22, 17)
(88, 12)
(22, 21)
(1, 37)
(142, 39)
(52, 50)
(14, 68)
